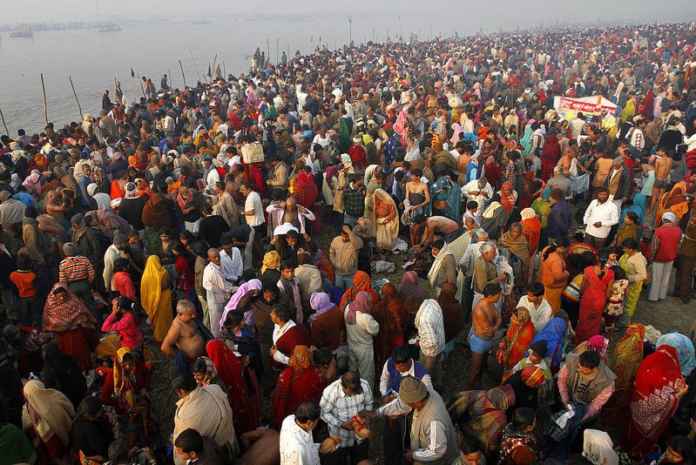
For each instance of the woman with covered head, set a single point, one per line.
(361, 283)
(657, 390)
(516, 243)
(361, 328)
(513, 347)
(482, 414)
(299, 382)
(48, 415)
(156, 297)
(74, 325)
(385, 219)
(327, 326)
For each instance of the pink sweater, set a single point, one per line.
(126, 327)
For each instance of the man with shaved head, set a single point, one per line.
(217, 289)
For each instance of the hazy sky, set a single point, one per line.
(490, 14)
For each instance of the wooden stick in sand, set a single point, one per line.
(45, 100)
(77, 100)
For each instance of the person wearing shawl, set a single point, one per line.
(156, 297)
(519, 335)
(444, 267)
(242, 291)
(595, 285)
(493, 219)
(531, 228)
(674, 201)
(657, 390)
(361, 283)
(326, 323)
(554, 275)
(392, 320)
(240, 383)
(361, 328)
(205, 409)
(481, 414)
(411, 292)
(446, 197)
(508, 197)
(67, 316)
(306, 190)
(271, 264)
(298, 383)
(624, 362)
(48, 415)
(516, 242)
(385, 218)
(553, 335)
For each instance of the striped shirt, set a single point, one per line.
(337, 408)
(73, 269)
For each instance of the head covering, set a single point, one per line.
(669, 216)
(599, 344)
(51, 413)
(410, 287)
(412, 390)
(67, 315)
(283, 229)
(271, 261)
(301, 358)
(92, 189)
(320, 302)
(361, 303)
(684, 348)
(598, 448)
(153, 297)
(243, 290)
(346, 161)
(502, 397)
(527, 213)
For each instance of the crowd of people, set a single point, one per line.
(384, 254)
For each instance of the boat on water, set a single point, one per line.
(22, 32)
(111, 27)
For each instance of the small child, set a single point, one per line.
(617, 295)
(24, 280)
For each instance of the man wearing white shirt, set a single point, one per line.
(297, 446)
(478, 190)
(540, 312)
(253, 214)
(599, 217)
(217, 290)
(230, 258)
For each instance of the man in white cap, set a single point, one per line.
(667, 238)
(433, 436)
(103, 200)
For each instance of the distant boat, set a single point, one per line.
(109, 28)
(22, 32)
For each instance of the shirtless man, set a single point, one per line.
(431, 227)
(416, 187)
(183, 340)
(663, 166)
(485, 323)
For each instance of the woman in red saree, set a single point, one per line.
(550, 155)
(658, 387)
(531, 228)
(390, 316)
(299, 382)
(306, 191)
(361, 283)
(516, 342)
(242, 387)
(596, 283)
(68, 318)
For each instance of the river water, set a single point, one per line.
(94, 59)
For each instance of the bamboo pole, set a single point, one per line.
(45, 100)
(2, 117)
(79, 107)
(182, 72)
